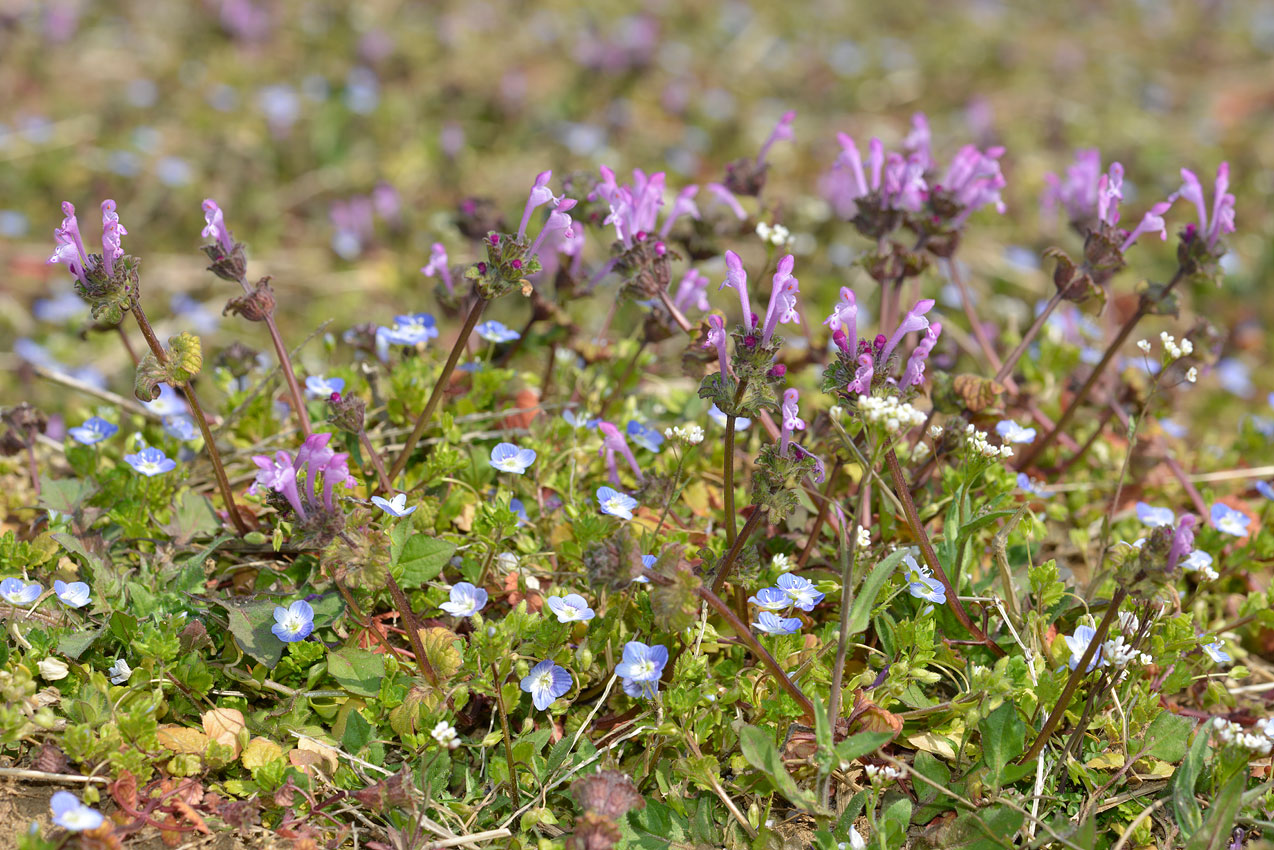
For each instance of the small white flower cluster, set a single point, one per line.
(920, 452)
(978, 442)
(1192, 375)
(777, 235)
(1120, 654)
(782, 563)
(864, 537)
(876, 773)
(691, 434)
(1175, 351)
(889, 411)
(935, 431)
(445, 734)
(1257, 742)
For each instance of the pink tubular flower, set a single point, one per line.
(70, 246)
(1182, 540)
(844, 318)
(1078, 193)
(540, 194)
(914, 321)
(279, 475)
(683, 205)
(112, 230)
(613, 441)
(1222, 220)
(692, 291)
(725, 196)
(974, 180)
(559, 223)
(1150, 222)
(863, 375)
(914, 375)
(792, 420)
(438, 267)
(736, 277)
(716, 337)
(782, 307)
(336, 471)
(314, 455)
(1110, 191)
(215, 229)
(917, 142)
(782, 132)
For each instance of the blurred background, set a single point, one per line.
(339, 138)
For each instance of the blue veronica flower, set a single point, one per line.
(741, 423)
(167, 403)
(493, 331)
(771, 599)
(640, 690)
(641, 667)
(1155, 517)
(181, 427)
(1078, 645)
(396, 506)
(928, 588)
(800, 590)
(519, 510)
(545, 683)
(17, 592)
(94, 430)
(1216, 651)
(466, 600)
(571, 608)
(647, 438)
(1030, 485)
(411, 329)
(317, 386)
(616, 503)
(1011, 432)
(580, 420)
(73, 595)
(293, 623)
(647, 561)
(1264, 488)
(151, 461)
(1262, 426)
(773, 624)
(1229, 521)
(507, 457)
(69, 813)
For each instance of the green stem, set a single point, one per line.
(508, 736)
(727, 563)
(728, 468)
(413, 629)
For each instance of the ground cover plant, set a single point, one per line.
(805, 494)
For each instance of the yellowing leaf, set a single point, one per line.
(260, 751)
(223, 725)
(442, 650)
(182, 740)
(1156, 769)
(931, 742)
(325, 753)
(1109, 760)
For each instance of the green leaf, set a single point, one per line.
(422, 559)
(65, 495)
(73, 645)
(557, 756)
(73, 545)
(1167, 737)
(1215, 832)
(762, 753)
(357, 670)
(861, 744)
(1046, 585)
(865, 600)
(1003, 739)
(981, 522)
(192, 517)
(985, 829)
(1184, 806)
(656, 827)
(250, 621)
(358, 732)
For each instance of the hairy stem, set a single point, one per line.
(379, 465)
(931, 557)
(676, 314)
(450, 366)
(727, 563)
(413, 629)
(728, 466)
(508, 737)
(1080, 671)
(223, 483)
(824, 505)
(1033, 331)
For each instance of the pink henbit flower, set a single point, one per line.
(1110, 191)
(782, 306)
(914, 374)
(692, 292)
(716, 337)
(974, 180)
(1222, 218)
(216, 226)
(683, 205)
(863, 375)
(898, 181)
(726, 197)
(1078, 193)
(559, 223)
(917, 143)
(613, 441)
(438, 266)
(1182, 540)
(844, 319)
(914, 321)
(782, 132)
(792, 420)
(70, 246)
(736, 277)
(1152, 221)
(540, 194)
(278, 474)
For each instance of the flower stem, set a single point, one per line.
(931, 557)
(379, 465)
(676, 314)
(728, 562)
(979, 333)
(425, 415)
(1033, 331)
(729, 463)
(824, 506)
(747, 639)
(223, 483)
(1143, 310)
(508, 739)
(413, 629)
(1080, 671)
(623, 379)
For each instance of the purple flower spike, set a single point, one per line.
(1110, 191)
(216, 226)
(914, 375)
(792, 420)
(1182, 540)
(540, 195)
(1150, 222)
(736, 277)
(863, 375)
(438, 267)
(845, 317)
(726, 197)
(559, 222)
(914, 321)
(916, 144)
(1077, 194)
(692, 291)
(277, 474)
(70, 246)
(716, 337)
(1222, 220)
(613, 441)
(782, 132)
(112, 230)
(782, 306)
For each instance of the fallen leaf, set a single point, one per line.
(326, 753)
(260, 751)
(182, 739)
(223, 725)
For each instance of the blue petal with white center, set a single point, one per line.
(507, 457)
(94, 430)
(545, 683)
